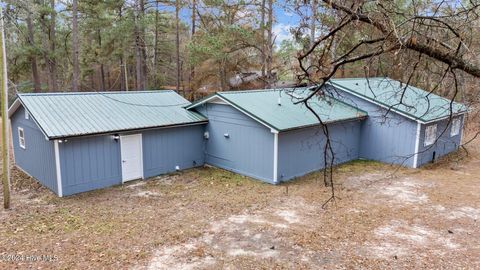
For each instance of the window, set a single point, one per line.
(455, 129)
(430, 135)
(21, 138)
(26, 115)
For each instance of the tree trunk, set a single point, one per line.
(155, 46)
(193, 22)
(102, 68)
(270, 44)
(138, 66)
(92, 81)
(33, 57)
(75, 47)
(313, 21)
(123, 60)
(263, 45)
(108, 83)
(143, 47)
(221, 74)
(52, 60)
(177, 43)
(138, 53)
(122, 74)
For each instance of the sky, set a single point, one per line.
(284, 20)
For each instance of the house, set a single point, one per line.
(75, 142)
(418, 128)
(265, 135)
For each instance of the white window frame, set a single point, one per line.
(455, 127)
(21, 138)
(430, 135)
(27, 116)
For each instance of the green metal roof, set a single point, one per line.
(417, 103)
(75, 114)
(262, 105)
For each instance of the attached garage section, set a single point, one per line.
(77, 142)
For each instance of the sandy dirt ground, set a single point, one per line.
(212, 219)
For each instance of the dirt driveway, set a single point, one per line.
(211, 219)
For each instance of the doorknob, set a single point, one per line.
(124, 161)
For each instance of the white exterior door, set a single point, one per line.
(131, 154)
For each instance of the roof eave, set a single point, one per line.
(357, 118)
(395, 110)
(442, 118)
(127, 130)
(14, 107)
(407, 115)
(16, 104)
(200, 101)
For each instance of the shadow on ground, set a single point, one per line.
(209, 218)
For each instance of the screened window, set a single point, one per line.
(430, 134)
(21, 137)
(455, 129)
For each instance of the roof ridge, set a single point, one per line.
(363, 78)
(263, 90)
(393, 86)
(93, 93)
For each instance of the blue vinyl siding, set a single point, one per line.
(89, 163)
(38, 158)
(443, 145)
(163, 149)
(248, 150)
(302, 151)
(388, 138)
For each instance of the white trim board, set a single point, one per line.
(417, 145)
(16, 104)
(444, 118)
(14, 107)
(275, 156)
(58, 169)
(461, 130)
(217, 100)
